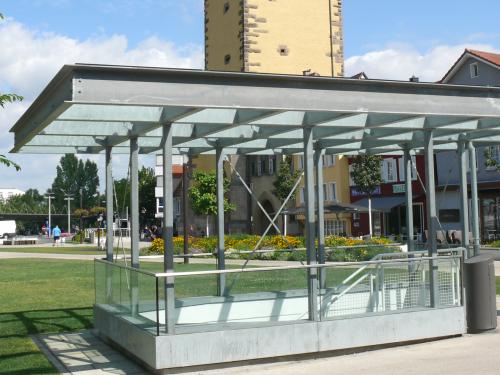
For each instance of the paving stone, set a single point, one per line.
(83, 353)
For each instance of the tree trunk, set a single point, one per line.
(207, 231)
(370, 215)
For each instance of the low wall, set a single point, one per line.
(277, 340)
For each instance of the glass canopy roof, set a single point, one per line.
(88, 107)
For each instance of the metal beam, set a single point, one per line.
(134, 202)
(221, 262)
(432, 222)
(109, 205)
(464, 201)
(312, 285)
(321, 215)
(409, 199)
(474, 198)
(168, 229)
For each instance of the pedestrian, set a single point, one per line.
(56, 232)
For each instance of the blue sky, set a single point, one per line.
(391, 39)
(368, 24)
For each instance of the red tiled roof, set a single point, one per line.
(493, 58)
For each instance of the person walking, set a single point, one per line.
(56, 233)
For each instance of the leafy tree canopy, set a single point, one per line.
(203, 193)
(286, 179)
(366, 173)
(31, 202)
(77, 178)
(8, 98)
(147, 199)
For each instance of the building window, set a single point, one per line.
(494, 153)
(474, 70)
(271, 165)
(389, 172)
(283, 50)
(332, 191)
(335, 227)
(401, 162)
(259, 167)
(300, 162)
(302, 195)
(227, 59)
(328, 160)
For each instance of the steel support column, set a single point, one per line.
(109, 205)
(432, 222)
(134, 202)
(168, 228)
(221, 262)
(321, 215)
(312, 285)
(109, 224)
(134, 224)
(474, 198)
(409, 199)
(464, 200)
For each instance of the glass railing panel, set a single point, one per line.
(248, 299)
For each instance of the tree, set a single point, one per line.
(8, 98)
(78, 179)
(203, 195)
(285, 180)
(367, 177)
(490, 160)
(147, 199)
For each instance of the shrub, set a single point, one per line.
(248, 242)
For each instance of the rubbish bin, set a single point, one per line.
(480, 293)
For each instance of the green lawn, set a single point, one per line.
(50, 296)
(43, 296)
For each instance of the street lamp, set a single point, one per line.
(99, 220)
(49, 196)
(69, 199)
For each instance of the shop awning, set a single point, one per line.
(383, 204)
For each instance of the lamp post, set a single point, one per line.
(99, 220)
(69, 199)
(50, 196)
(81, 216)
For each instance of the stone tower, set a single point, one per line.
(302, 37)
(274, 36)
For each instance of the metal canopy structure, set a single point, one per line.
(89, 109)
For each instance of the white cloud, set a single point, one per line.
(401, 61)
(29, 59)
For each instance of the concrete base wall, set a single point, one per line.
(253, 343)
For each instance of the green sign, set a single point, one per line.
(401, 188)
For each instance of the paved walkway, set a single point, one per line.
(83, 353)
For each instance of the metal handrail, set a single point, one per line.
(280, 268)
(232, 251)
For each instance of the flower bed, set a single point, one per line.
(344, 249)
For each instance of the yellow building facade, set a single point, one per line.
(303, 37)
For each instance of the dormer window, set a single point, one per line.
(474, 70)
